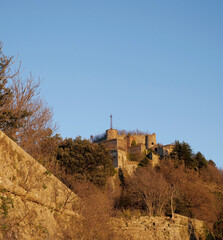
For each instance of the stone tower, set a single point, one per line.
(150, 140)
(111, 134)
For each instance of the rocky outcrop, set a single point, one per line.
(33, 203)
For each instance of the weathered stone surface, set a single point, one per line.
(159, 228)
(33, 203)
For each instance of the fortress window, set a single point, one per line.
(152, 143)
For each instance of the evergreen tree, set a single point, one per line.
(184, 153)
(200, 160)
(85, 160)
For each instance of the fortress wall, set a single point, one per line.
(121, 158)
(160, 150)
(140, 139)
(159, 228)
(111, 144)
(36, 196)
(123, 137)
(115, 158)
(121, 145)
(137, 149)
(130, 167)
(155, 159)
(129, 140)
(22, 170)
(136, 153)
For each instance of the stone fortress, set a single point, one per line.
(128, 148)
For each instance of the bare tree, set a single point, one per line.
(24, 115)
(148, 188)
(8, 119)
(37, 124)
(173, 177)
(198, 198)
(187, 193)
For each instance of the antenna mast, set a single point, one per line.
(111, 121)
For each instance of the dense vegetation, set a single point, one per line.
(85, 161)
(184, 183)
(184, 154)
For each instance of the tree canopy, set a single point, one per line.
(184, 154)
(85, 160)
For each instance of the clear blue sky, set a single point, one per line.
(155, 65)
